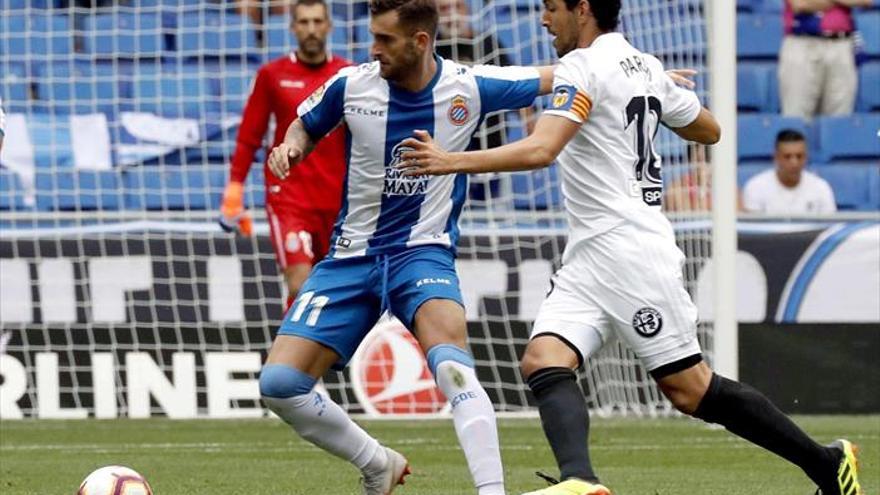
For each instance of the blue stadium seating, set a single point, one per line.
(868, 24)
(850, 137)
(172, 93)
(177, 188)
(14, 86)
(60, 189)
(11, 197)
(79, 87)
(758, 36)
(124, 35)
(537, 189)
(216, 35)
(36, 35)
(278, 38)
(255, 187)
(869, 88)
(770, 6)
(757, 134)
(752, 88)
(852, 186)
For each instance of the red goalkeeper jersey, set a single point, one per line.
(279, 88)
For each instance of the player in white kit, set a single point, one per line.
(621, 269)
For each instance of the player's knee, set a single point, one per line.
(685, 399)
(278, 381)
(538, 357)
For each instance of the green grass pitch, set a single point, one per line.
(634, 457)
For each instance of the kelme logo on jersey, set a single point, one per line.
(389, 374)
(397, 184)
(458, 110)
(647, 322)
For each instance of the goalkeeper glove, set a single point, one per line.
(233, 217)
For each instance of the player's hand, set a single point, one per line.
(233, 217)
(683, 77)
(425, 157)
(282, 158)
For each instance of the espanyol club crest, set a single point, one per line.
(389, 374)
(458, 110)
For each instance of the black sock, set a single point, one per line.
(745, 412)
(565, 420)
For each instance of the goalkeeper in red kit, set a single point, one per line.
(301, 209)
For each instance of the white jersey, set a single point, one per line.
(382, 210)
(764, 193)
(610, 169)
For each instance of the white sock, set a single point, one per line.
(474, 419)
(322, 422)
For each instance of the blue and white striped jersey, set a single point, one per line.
(383, 211)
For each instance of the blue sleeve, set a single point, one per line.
(323, 110)
(506, 88)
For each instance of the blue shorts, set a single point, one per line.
(343, 298)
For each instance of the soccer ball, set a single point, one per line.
(114, 480)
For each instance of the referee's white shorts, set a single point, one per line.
(624, 283)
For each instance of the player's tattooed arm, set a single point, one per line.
(296, 146)
(535, 151)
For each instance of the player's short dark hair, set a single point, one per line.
(415, 15)
(789, 136)
(606, 12)
(307, 3)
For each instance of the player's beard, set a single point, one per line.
(312, 47)
(397, 68)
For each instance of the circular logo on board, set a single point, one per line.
(647, 322)
(390, 375)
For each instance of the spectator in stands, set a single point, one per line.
(302, 209)
(692, 191)
(817, 71)
(788, 188)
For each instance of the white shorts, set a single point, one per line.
(624, 283)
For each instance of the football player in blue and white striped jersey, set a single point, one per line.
(393, 247)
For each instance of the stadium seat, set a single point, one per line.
(746, 171)
(850, 137)
(11, 197)
(255, 187)
(14, 88)
(523, 39)
(746, 5)
(851, 185)
(172, 93)
(752, 83)
(216, 35)
(78, 87)
(757, 134)
(537, 189)
(758, 36)
(124, 35)
(234, 87)
(771, 7)
(277, 38)
(70, 189)
(174, 188)
(869, 88)
(868, 24)
(37, 36)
